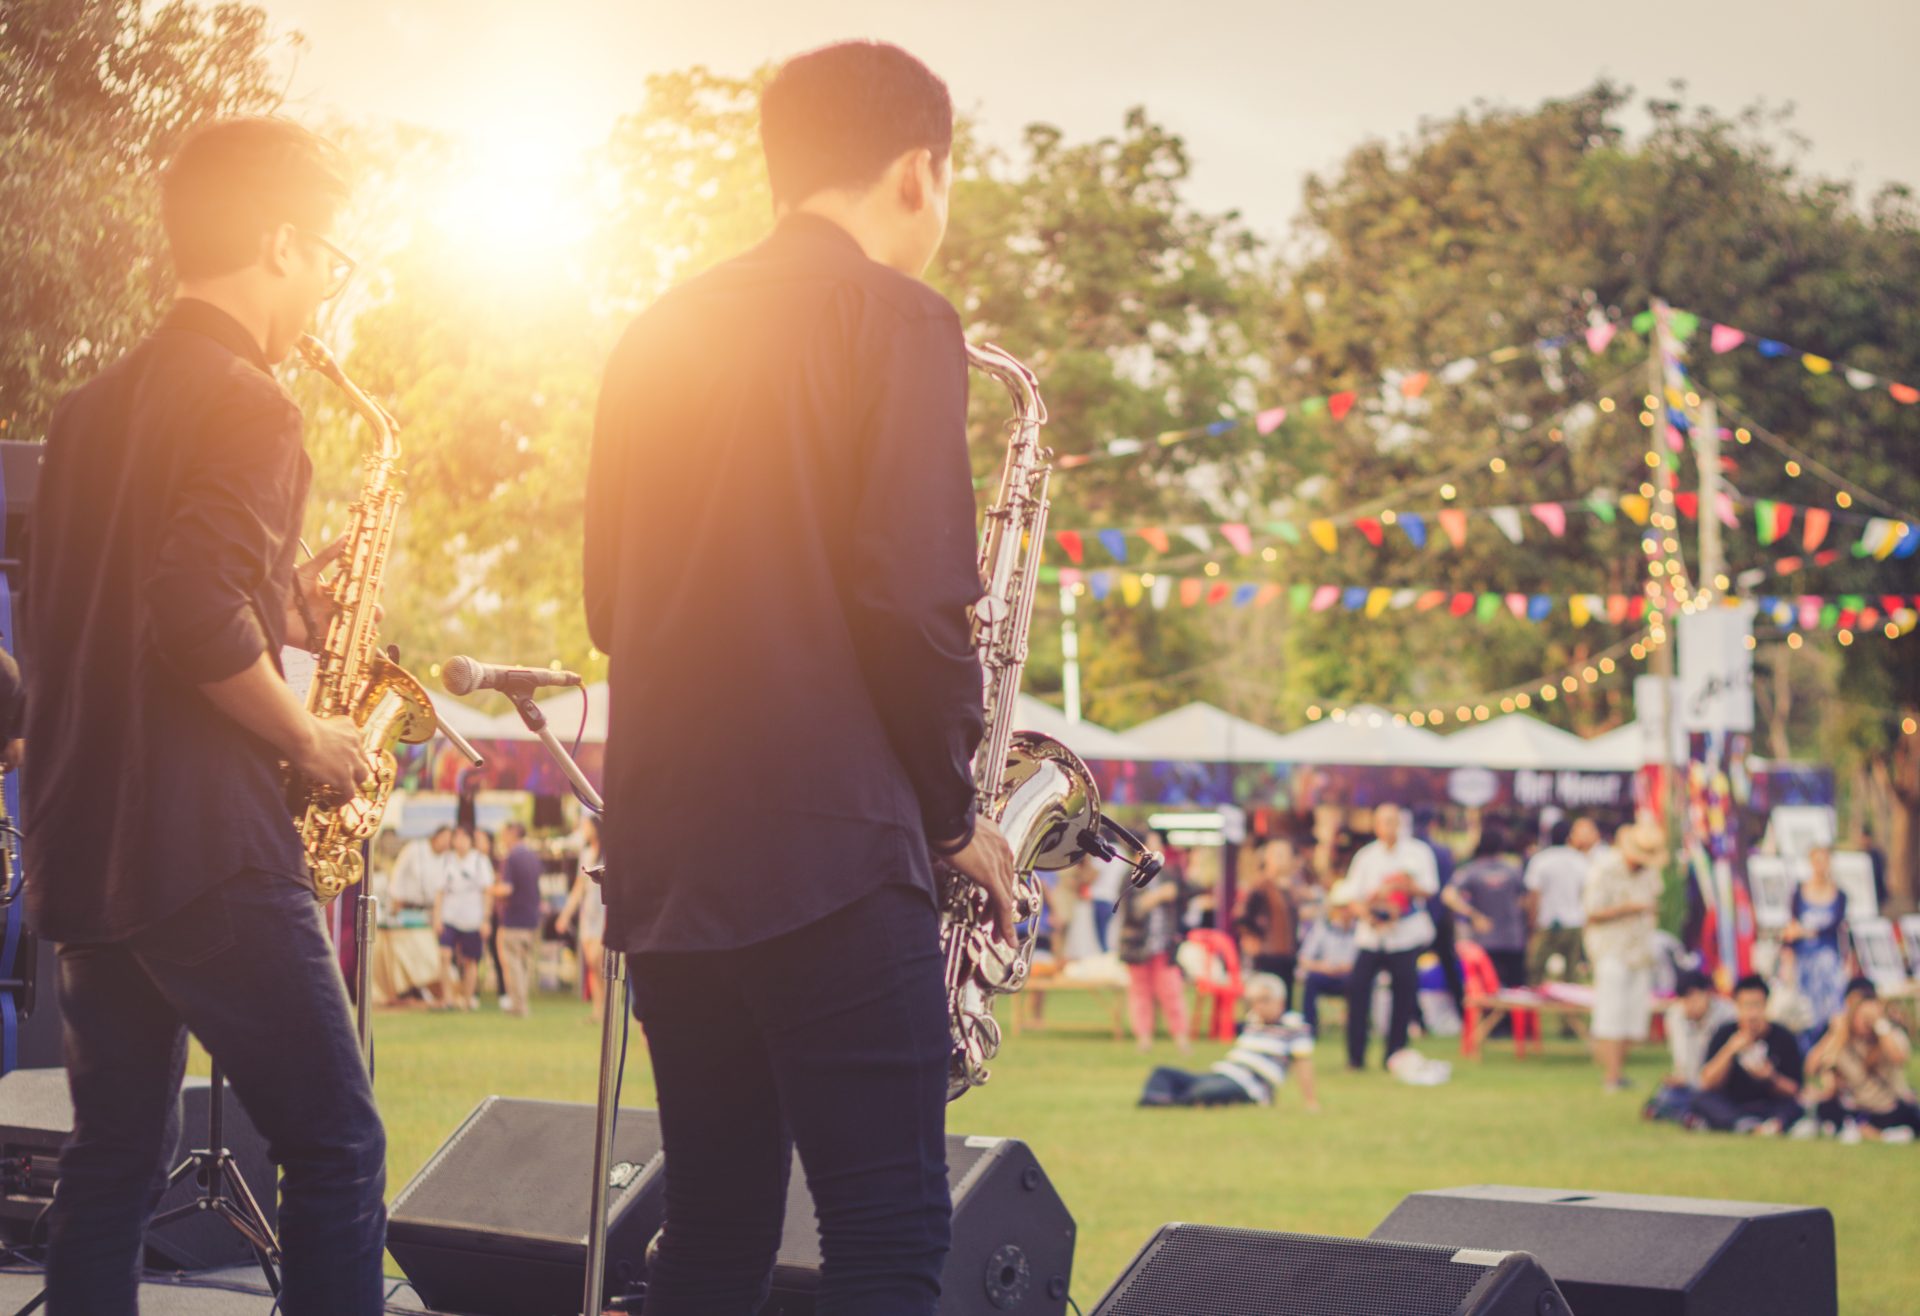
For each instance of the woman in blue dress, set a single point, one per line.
(1816, 938)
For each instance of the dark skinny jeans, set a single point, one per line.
(248, 970)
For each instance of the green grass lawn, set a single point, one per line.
(1069, 1092)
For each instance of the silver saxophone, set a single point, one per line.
(1037, 790)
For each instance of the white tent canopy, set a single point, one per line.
(468, 720)
(1083, 738)
(1201, 733)
(1366, 735)
(1519, 741)
(563, 716)
(1622, 749)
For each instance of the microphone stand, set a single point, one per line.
(613, 978)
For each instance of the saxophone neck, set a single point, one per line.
(315, 355)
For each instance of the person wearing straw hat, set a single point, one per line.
(1622, 900)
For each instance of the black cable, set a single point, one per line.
(581, 735)
(579, 738)
(626, 1021)
(1076, 1306)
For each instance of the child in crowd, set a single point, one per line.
(1273, 1043)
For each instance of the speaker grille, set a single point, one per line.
(1200, 1270)
(520, 1169)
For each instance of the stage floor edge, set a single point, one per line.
(244, 1293)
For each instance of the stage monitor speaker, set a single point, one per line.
(1012, 1237)
(495, 1224)
(36, 1114)
(1621, 1254)
(1204, 1270)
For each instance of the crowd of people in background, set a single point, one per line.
(481, 898)
(1380, 921)
(1377, 921)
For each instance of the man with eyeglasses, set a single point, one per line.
(160, 854)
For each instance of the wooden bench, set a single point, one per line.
(1485, 1011)
(1026, 1001)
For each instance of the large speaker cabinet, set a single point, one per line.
(1205, 1270)
(495, 1224)
(1620, 1254)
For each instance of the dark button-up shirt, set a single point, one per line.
(161, 560)
(780, 553)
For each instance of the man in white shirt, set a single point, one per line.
(416, 877)
(1392, 877)
(1556, 879)
(406, 959)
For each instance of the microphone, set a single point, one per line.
(462, 675)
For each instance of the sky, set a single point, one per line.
(1263, 93)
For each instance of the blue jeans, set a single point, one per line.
(832, 1039)
(1179, 1087)
(248, 969)
(1312, 989)
(1102, 920)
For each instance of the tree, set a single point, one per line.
(92, 97)
(1515, 225)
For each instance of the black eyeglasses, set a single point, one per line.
(340, 266)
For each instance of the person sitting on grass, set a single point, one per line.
(1751, 1080)
(1273, 1043)
(1697, 1013)
(1860, 1073)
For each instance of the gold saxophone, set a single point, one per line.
(352, 676)
(1037, 790)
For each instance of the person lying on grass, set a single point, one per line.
(1273, 1043)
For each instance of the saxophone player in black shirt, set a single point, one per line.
(159, 850)
(780, 555)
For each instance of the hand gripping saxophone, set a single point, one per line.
(1034, 787)
(352, 677)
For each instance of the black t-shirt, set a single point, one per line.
(1782, 1051)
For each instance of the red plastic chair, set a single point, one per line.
(1483, 983)
(1223, 955)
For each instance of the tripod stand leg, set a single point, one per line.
(223, 1190)
(365, 909)
(613, 980)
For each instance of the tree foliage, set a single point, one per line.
(92, 96)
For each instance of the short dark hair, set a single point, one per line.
(1690, 981)
(233, 180)
(1753, 982)
(1561, 832)
(515, 826)
(1862, 987)
(839, 115)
